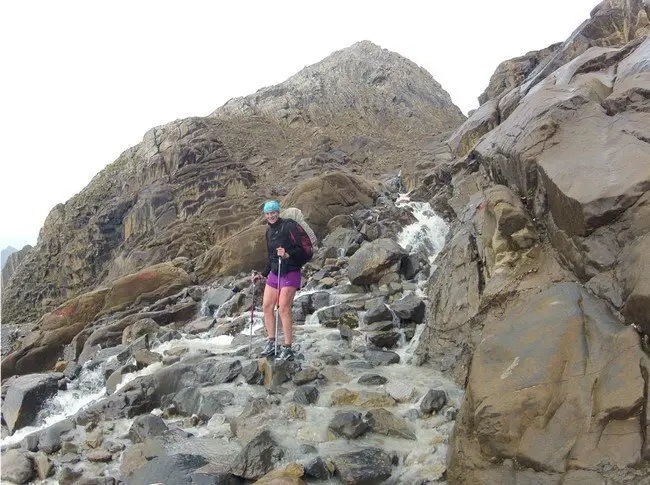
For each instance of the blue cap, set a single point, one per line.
(271, 206)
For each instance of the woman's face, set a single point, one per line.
(272, 217)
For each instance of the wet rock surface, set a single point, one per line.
(194, 405)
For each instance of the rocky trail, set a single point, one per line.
(189, 405)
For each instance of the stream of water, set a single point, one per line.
(427, 452)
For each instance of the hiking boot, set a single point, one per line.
(269, 349)
(286, 354)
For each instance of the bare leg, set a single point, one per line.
(268, 303)
(286, 299)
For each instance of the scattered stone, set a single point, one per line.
(372, 380)
(348, 424)
(384, 422)
(306, 395)
(17, 467)
(359, 365)
(103, 456)
(200, 325)
(381, 357)
(296, 411)
(30, 442)
(147, 426)
(306, 375)
(374, 260)
(289, 474)
(330, 358)
(379, 313)
(258, 457)
(316, 468)
(386, 340)
(346, 333)
(365, 467)
(49, 440)
(43, 465)
(144, 326)
(381, 326)
(412, 415)
(167, 469)
(226, 371)
(433, 401)
(68, 476)
(364, 399)
(400, 391)
(94, 438)
(276, 372)
(251, 373)
(409, 309)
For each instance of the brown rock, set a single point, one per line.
(150, 284)
(585, 367)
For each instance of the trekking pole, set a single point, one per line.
(250, 341)
(277, 305)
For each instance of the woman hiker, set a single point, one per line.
(283, 238)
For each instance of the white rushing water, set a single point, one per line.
(85, 390)
(427, 234)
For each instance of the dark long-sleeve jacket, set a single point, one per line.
(287, 234)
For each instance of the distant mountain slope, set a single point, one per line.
(193, 182)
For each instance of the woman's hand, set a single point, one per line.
(283, 254)
(256, 276)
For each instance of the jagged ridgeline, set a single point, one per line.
(194, 182)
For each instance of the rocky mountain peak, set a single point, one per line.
(365, 83)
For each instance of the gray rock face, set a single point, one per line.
(147, 426)
(17, 467)
(306, 395)
(258, 457)
(381, 357)
(49, 440)
(203, 403)
(375, 260)
(342, 242)
(25, 398)
(175, 469)
(583, 336)
(319, 91)
(11, 258)
(364, 467)
(409, 309)
(378, 313)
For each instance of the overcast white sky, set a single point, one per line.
(82, 81)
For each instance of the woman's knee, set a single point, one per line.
(285, 308)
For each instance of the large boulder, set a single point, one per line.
(557, 384)
(40, 349)
(375, 260)
(147, 285)
(321, 198)
(26, 396)
(258, 457)
(243, 251)
(17, 467)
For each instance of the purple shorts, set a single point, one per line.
(292, 278)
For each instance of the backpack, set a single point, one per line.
(308, 239)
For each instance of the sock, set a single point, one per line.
(271, 340)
